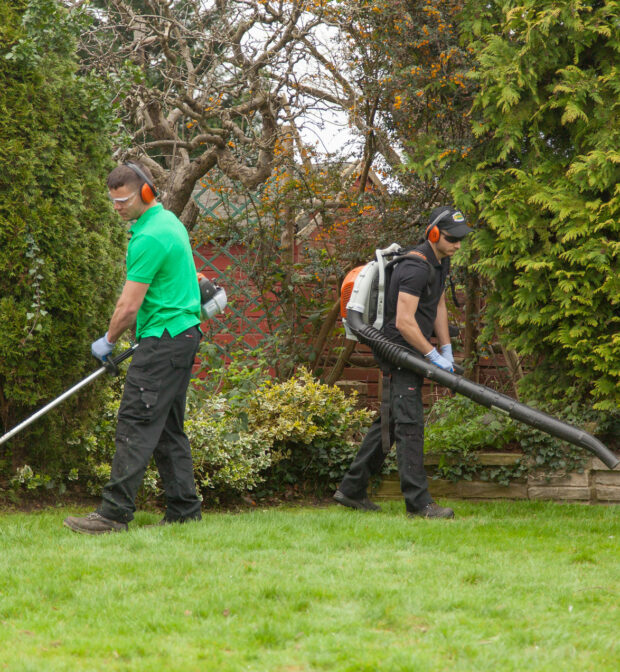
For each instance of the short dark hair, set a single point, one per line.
(123, 176)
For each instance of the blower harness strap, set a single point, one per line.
(385, 412)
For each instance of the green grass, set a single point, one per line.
(505, 586)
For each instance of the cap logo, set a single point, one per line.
(458, 217)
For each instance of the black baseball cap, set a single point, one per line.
(449, 221)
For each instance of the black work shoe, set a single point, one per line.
(94, 523)
(432, 510)
(359, 504)
(176, 521)
(162, 522)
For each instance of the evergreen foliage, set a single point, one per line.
(249, 435)
(545, 183)
(61, 245)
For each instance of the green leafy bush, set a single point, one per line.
(245, 437)
(228, 458)
(313, 429)
(61, 245)
(457, 428)
(458, 425)
(544, 180)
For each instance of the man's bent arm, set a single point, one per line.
(126, 310)
(408, 325)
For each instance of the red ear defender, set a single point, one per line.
(432, 233)
(148, 192)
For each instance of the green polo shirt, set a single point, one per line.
(159, 254)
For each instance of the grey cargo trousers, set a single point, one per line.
(150, 424)
(407, 430)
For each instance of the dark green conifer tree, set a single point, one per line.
(544, 178)
(61, 244)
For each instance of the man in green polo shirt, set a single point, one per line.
(162, 297)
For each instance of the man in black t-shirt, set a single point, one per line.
(415, 309)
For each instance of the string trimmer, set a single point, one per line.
(109, 366)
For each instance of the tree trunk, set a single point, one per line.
(336, 372)
(472, 321)
(189, 216)
(326, 328)
(514, 367)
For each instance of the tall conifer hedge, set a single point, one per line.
(546, 185)
(61, 245)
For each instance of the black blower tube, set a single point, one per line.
(485, 396)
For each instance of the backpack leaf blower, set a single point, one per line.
(362, 304)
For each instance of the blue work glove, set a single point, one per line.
(446, 352)
(435, 358)
(101, 348)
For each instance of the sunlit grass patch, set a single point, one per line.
(504, 586)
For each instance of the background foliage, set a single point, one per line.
(544, 180)
(202, 86)
(60, 246)
(511, 109)
(248, 433)
(457, 429)
(508, 108)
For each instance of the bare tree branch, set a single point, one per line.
(200, 84)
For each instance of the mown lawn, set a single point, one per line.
(505, 586)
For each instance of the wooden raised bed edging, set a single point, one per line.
(596, 484)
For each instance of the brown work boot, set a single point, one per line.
(363, 504)
(432, 510)
(94, 523)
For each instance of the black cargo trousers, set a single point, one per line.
(406, 426)
(150, 424)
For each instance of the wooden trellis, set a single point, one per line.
(252, 316)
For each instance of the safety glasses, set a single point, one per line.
(451, 239)
(124, 199)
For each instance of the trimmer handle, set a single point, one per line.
(112, 364)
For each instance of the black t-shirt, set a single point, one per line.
(411, 276)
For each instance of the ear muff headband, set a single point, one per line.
(148, 192)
